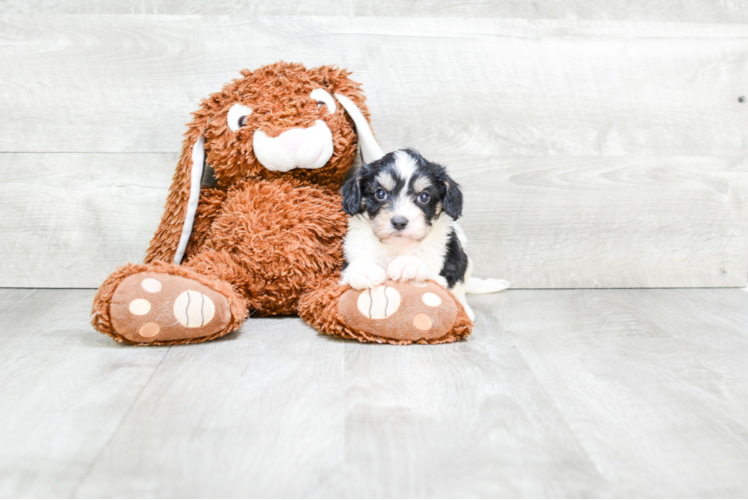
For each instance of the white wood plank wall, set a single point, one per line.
(702, 11)
(600, 144)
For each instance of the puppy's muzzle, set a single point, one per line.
(308, 148)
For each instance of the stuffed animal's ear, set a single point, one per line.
(452, 203)
(196, 175)
(351, 192)
(172, 235)
(370, 149)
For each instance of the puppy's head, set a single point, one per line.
(402, 194)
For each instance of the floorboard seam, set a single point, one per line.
(116, 428)
(562, 416)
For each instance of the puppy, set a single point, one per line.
(402, 226)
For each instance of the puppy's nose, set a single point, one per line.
(399, 222)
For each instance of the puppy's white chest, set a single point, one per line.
(362, 245)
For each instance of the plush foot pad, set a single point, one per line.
(149, 307)
(400, 311)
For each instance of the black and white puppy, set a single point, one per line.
(402, 227)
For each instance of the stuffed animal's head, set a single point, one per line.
(279, 121)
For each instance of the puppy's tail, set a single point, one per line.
(488, 285)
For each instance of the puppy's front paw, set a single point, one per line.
(408, 269)
(363, 275)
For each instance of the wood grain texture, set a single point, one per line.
(69, 219)
(261, 413)
(82, 83)
(598, 222)
(594, 153)
(64, 390)
(468, 420)
(648, 380)
(540, 222)
(703, 11)
(558, 393)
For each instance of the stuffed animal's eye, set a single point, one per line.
(380, 194)
(424, 198)
(323, 97)
(237, 116)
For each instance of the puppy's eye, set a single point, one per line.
(423, 198)
(323, 98)
(237, 116)
(380, 194)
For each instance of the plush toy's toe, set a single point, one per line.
(394, 313)
(151, 307)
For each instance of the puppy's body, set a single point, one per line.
(361, 245)
(402, 227)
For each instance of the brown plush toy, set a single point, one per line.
(263, 235)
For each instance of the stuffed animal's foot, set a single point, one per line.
(151, 307)
(402, 312)
(148, 307)
(393, 313)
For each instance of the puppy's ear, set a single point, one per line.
(452, 203)
(351, 192)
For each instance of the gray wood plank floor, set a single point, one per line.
(557, 393)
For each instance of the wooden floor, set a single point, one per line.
(557, 393)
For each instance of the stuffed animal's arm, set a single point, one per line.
(210, 203)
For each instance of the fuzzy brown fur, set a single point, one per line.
(207, 209)
(286, 240)
(279, 97)
(270, 242)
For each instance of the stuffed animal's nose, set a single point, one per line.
(399, 222)
(291, 140)
(307, 148)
